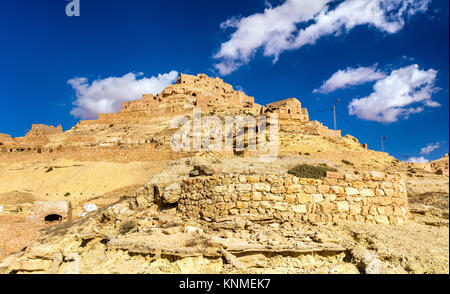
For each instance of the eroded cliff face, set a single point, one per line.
(440, 166)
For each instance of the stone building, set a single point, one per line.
(38, 130)
(290, 106)
(50, 211)
(212, 95)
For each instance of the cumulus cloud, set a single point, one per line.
(297, 23)
(420, 159)
(106, 95)
(405, 91)
(429, 148)
(350, 77)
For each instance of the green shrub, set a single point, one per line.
(127, 227)
(310, 171)
(49, 169)
(67, 194)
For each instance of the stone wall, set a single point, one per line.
(367, 198)
(41, 210)
(38, 130)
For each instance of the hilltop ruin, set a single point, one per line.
(210, 94)
(162, 211)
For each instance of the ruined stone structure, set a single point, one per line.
(441, 166)
(189, 92)
(292, 107)
(37, 140)
(372, 197)
(134, 125)
(39, 130)
(50, 211)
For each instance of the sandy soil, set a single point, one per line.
(15, 234)
(71, 180)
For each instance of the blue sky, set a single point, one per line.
(270, 49)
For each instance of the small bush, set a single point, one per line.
(127, 227)
(346, 162)
(49, 169)
(67, 194)
(310, 171)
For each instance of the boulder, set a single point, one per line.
(201, 170)
(344, 268)
(88, 208)
(171, 194)
(366, 260)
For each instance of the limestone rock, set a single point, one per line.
(344, 268)
(201, 170)
(88, 208)
(171, 194)
(367, 260)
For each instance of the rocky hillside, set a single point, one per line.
(124, 164)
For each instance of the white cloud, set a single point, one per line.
(350, 77)
(429, 148)
(277, 29)
(420, 159)
(106, 95)
(405, 91)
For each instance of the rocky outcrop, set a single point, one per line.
(440, 166)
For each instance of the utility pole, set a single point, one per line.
(382, 143)
(334, 113)
(334, 117)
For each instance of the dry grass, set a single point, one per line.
(438, 200)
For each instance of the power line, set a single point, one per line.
(392, 150)
(396, 152)
(319, 111)
(354, 127)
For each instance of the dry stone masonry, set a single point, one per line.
(372, 197)
(134, 125)
(50, 211)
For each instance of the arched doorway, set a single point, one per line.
(51, 218)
